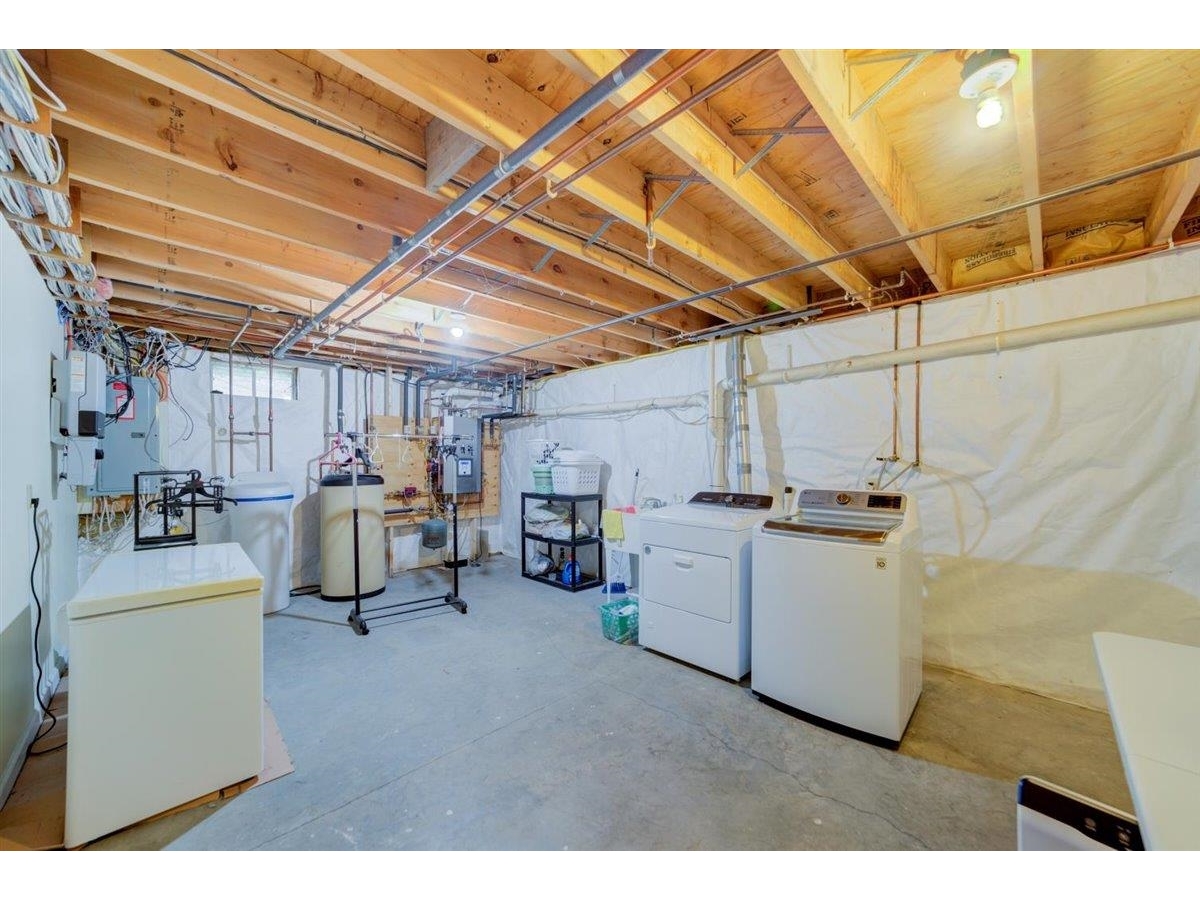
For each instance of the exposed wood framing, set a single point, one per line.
(463, 89)
(1176, 189)
(447, 150)
(688, 138)
(180, 231)
(139, 265)
(382, 126)
(1027, 142)
(824, 77)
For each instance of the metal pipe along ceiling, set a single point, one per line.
(645, 131)
(547, 167)
(1063, 193)
(586, 103)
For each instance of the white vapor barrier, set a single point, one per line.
(1057, 484)
(197, 425)
(670, 451)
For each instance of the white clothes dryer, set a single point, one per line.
(695, 597)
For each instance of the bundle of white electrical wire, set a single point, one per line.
(40, 156)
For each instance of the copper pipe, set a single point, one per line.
(1011, 279)
(271, 412)
(895, 387)
(699, 97)
(1060, 194)
(621, 113)
(917, 410)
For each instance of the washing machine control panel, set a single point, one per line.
(733, 501)
(865, 500)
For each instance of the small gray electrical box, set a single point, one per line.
(130, 444)
(463, 472)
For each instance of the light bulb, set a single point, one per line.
(990, 110)
(457, 331)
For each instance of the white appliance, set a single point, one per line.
(1050, 817)
(695, 579)
(261, 522)
(166, 698)
(837, 610)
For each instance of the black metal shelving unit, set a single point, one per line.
(586, 580)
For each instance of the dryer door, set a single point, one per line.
(696, 583)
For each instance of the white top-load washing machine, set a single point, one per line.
(837, 610)
(695, 597)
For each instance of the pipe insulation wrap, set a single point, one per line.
(1168, 313)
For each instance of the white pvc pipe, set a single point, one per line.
(1166, 313)
(716, 406)
(628, 406)
(741, 415)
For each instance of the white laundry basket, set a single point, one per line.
(576, 472)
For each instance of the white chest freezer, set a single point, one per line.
(166, 693)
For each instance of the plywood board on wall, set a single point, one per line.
(403, 455)
(404, 464)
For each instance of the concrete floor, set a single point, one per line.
(518, 726)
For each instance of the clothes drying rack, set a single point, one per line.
(359, 618)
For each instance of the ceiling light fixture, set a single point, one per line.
(457, 331)
(983, 74)
(990, 110)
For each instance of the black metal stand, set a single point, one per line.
(177, 495)
(359, 618)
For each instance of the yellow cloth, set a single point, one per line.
(613, 525)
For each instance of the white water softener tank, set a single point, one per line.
(337, 536)
(261, 522)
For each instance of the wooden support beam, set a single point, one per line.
(305, 88)
(447, 150)
(824, 77)
(120, 269)
(132, 315)
(292, 291)
(688, 138)
(487, 315)
(164, 255)
(463, 89)
(1027, 143)
(180, 228)
(127, 169)
(1176, 189)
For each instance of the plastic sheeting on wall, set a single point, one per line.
(1056, 486)
(669, 449)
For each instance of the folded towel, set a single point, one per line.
(611, 521)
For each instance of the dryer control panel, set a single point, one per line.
(733, 501)
(856, 500)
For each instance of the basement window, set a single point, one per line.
(250, 379)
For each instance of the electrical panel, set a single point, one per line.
(462, 472)
(78, 386)
(130, 441)
(80, 456)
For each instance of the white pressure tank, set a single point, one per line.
(261, 522)
(337, 536)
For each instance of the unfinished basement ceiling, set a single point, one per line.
(214, 184)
